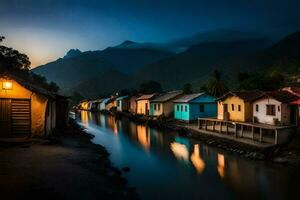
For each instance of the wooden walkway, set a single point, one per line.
(262, 133)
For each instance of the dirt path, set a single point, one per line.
(64, 167)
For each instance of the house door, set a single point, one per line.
(146, 109)
(20, 117)
(5, 117)
(225, 112)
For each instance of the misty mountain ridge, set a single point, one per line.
(130, 63)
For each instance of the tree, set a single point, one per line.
(215, 85)
(187, 88)
(149, 87)
(11, 60)
(261, 81)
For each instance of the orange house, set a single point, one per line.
(27, 110)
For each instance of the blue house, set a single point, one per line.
(192, 106)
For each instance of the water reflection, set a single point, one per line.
(221, 164)
(153, 154)
(143, 136)
(196, 159)
(180, 151)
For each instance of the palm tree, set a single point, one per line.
(216, 85)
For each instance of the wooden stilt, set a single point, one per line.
(220, 127)
(242, 130)
(214, 123)
(205, 124)
(235, 130)
(276, 136)
(252, 132)
(260, 135)
(227, 128)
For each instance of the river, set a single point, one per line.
(164, 165)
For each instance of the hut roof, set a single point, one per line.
(281, 96)
(245, 95)
(293, 90)
(122, 97)
(146, 97)
(34, 88)
(167, 96)
(188, 97)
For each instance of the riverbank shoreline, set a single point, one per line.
(288, 153)
(66, 165)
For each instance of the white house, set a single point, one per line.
(273, 108)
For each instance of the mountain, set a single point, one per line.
(219, 35)
(104, 83)
(72, 53)
(77, 67)
(196, 64)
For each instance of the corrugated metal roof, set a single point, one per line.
(146, 96)
(122, 97)
(281, 96)
(188, 97)
(245, 95)
(167, 96)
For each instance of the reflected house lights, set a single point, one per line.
(221, 165)
(196, 159)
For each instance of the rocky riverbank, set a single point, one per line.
(286, 153)
(65, 166)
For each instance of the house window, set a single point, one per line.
(232, 107)
(239, 108)
(201, 107)
(256, 107)
(271, 110)
(185, 108)
(119, 103)
(155, 106)
(181, 108)
(177, 107)
(278, 108)
(158, 107)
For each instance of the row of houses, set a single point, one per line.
(274, 108)
(27, 110)
(170, 104)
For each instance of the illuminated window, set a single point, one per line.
(7, 85)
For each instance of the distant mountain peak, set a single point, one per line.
(126, 44)
(72, 53)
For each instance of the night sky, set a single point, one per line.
(46, 29)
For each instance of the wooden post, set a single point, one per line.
(252, 132)
(220, 127)
(260, 135)
(276, 136)
(214, 123)
(227, 128)
(242, 130)
(205, 124)
(199, 124)
(235, 131)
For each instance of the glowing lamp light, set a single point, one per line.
(7, 85)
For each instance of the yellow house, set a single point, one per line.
(27, 110)
(237, 106)
(143, 104)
